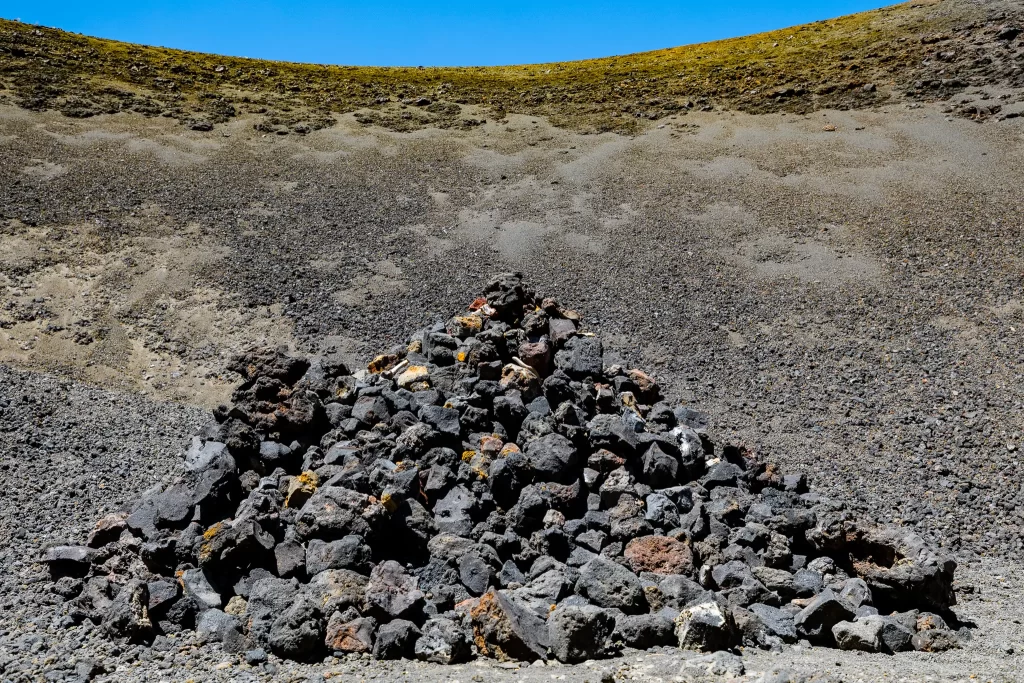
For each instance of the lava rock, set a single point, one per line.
(706, 626)
(442, 641)
(609, 584)
(577, 634)
(396, 640)
(815, 621)
(506, 629)
(392, 591)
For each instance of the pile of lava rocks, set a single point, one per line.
(491, 489)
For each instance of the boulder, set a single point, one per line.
(815, 621)
(298, 632)
(128, 615)
(442, 641)
(609, 584)
(659, 554)
(396, 640)
(504, 629)
(706, 626)
(393, 592)
(577, 634)
(350, 635)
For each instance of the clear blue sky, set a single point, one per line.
(481, 32)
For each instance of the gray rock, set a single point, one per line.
(298, 632)
(644, 631)
(864, 634)
(503, 627)
(370, 410)
(69, 560)
(659, 468)
(935, 640)
(807, 583)
(815, 621)
(510, 573)
(396, 640)
(345, 634)
(778, 581)
(268, 598)
(581, 357)
(553, 457)
(442, 641)
(856, 593)
(661, 511)
(338, 590)
(218, 627)
(896, 637)
(335, 512)
(444, 420)
(579, 633)
(776, 622)
(452, 514)
(609, 584)
(350, 552)
(706, 626)
(197, 586)
(290, 559)
(128, 615)
(678, 591)
(475, 574)
(392, 591)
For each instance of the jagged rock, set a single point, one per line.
(350, 635)
(644, 631)
(349, 552)
(706, 626)
(608, 584)
(298, 633)
(442, 642)
(392, 591)
(128, 615)
(503, 629)
(338, 590)
(577, 634)
(815, 621)
(776, 622)
(935, 640)
(864, 634)
(268, 598)
(69, 560)
(396, 640)
(476, 575)
(219, 627)
(659, 554)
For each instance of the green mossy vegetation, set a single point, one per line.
(823, 64)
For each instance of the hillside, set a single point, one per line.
(825, 260)
(919, 50)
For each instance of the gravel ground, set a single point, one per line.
(847, 302)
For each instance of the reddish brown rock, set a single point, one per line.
(504, 630)
(107, 530)
(350, 636)
(659, 554)
(537, 355)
